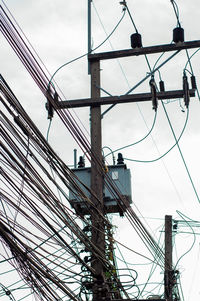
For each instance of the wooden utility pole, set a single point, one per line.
(168, 258)
(97, 222)
(99, 290)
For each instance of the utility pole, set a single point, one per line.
(89, 32)
(168, 258)
(99, 290)
(97, 222)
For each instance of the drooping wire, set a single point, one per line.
(140, 140)
(160, 157)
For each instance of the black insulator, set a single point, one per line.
(120, 159)
(186, 95)
(49, 106)
(136, 40)
(178, 35)
(162, 86)
(81, 162)
(193, 82)
(154, 94)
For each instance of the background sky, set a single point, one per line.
(58, 32)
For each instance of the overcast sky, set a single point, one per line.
(58, 32)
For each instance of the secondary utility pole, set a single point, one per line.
(168, 282)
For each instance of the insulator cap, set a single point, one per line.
(120, 159)
(81, 162)
(178, 35)
(136, 40)
(193, 82)
(162, 86)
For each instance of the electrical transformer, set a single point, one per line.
(121, 177)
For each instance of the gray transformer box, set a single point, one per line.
(119, 174)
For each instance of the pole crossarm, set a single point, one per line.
(67, 104)
(144, 50)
